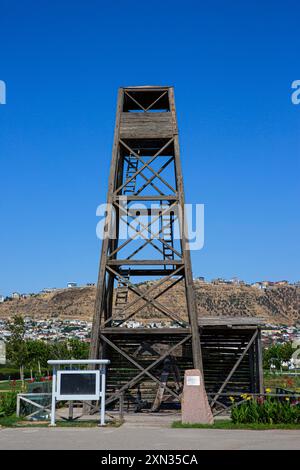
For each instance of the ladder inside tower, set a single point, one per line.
(167, 232)
(132, 166)
(121, 298)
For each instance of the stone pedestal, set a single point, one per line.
(194, 405)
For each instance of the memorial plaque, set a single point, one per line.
(193, 380)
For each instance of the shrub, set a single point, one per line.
(8, 403)
(10, 373)
(270, 410)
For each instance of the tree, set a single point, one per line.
(38, 353)
(78, 349)
(276, 354)
(16, 345)
(59, 350)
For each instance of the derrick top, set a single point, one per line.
(146, 98)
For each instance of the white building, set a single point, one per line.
(15, 295)
(72, 284)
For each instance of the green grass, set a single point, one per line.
(85, 424)
(8, 421)
(13, 421)
(227, 424)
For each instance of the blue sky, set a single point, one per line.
(232, 64)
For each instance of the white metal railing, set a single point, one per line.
(25, 398)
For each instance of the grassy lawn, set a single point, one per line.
(13, 421)
(227, 424)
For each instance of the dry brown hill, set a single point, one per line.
(276, 305)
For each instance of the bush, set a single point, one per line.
(276, 354)
(8, 403)
(11, 373)
(270, 410)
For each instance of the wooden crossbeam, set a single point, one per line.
(135, 101)
(147, 180)
(176, 317)
(147, 164)
(146, 227)
(151, 105)
(159, 239)
(144, 166)
(234, 368)
(144, 371)
(145, 237)
(154, 102)
(142, 230)
(144, 296)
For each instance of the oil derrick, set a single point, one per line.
(149, 341)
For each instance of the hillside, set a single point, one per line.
(276, 305)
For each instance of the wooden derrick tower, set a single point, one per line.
(149, 338)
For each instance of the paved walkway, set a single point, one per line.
(146, 432)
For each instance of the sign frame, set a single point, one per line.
(57, 365)
(62, 396)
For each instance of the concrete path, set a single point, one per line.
(145, 436)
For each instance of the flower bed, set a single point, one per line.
(268, 410)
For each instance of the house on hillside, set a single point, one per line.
(281, 283)
(2, 298)
(47, 290)
(15, 295)
(262, 284)
(218, 280)
(72, 284)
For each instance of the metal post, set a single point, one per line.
(102, 397)
(18, 405)
(53, 401)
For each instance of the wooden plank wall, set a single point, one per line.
(146, 125)
(220, 350)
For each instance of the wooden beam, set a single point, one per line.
(129, 240)
(234, 368)
(144, 371)
(259, 364)
(144, 166)
(162, 308)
